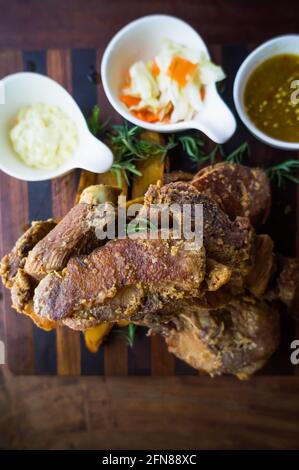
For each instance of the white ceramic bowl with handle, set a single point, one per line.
(26, 88)
(288, 44)
(141, 40)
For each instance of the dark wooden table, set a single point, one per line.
(143, 412)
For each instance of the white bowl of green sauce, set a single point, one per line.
(266, 92)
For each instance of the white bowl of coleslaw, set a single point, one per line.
(157, 73)
(34, 116)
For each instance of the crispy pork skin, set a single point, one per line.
(263, 266)
(17, 257)
(287, 284)
(114, 281)
(227, 242)
(236, 339)
(175, 176)
(238, 189)
(75, 234)
(214, 303)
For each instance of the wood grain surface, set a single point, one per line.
(32, 24)
(63, 194)
(133, 412)
(63, 351)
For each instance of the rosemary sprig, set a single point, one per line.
(128, 148)
(124, 168)
(94, 122)
(195, 149)
(211, 157)
(192, 146)
(141, 224)
(131, 331)
(128, 332)
(283, 171)
(237, 155)
(126, 143)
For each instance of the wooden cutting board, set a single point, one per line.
(30, 350)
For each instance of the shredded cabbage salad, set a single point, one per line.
(171, 87)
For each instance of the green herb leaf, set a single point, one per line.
(237, 155)
(128, 148)
(192, 146)
(292, 178)
(283, 171)
(128, 332)
(213, 154)
(131, 331)
(141, 224)
(94, 124)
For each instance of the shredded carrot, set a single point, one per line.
(167, 115)
(155, 68)
(202, 92)
(146, 115)
(181, 70)
(129, 100)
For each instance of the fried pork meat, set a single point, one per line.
(208, 301)
(238, 189)
(116, 281)
(236, 339)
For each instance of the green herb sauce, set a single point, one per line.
(271, 97)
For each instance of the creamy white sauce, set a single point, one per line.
(44, 136)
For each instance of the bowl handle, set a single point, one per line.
(215, 120)
(97, 157)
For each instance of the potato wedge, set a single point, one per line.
(94, 336)
(152, 169)
(42, 323)
(137, 200)
(123, 323)
(88, 179)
